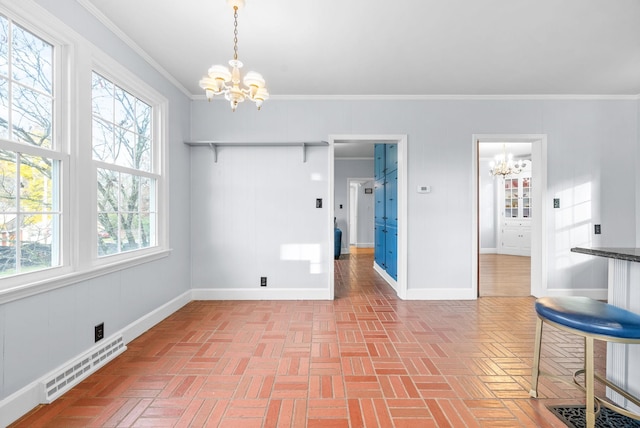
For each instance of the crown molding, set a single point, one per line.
(133, 45)
(514, 97)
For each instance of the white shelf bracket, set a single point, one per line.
(304, 152)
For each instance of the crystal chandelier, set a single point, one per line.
(220, 81)
(504, 165)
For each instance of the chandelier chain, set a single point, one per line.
(235, 32)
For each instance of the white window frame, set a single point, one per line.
(124, 79)
(75, 59)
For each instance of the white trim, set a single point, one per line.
(24, 400)
(435, 97)
(441, 294)
(488, 251)
(383, 273)
(262, 293)
(88, 5)
(149, 320)
(48, 284)
(538, 221)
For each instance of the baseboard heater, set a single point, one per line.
(68, 376)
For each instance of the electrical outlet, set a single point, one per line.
(556, 203)
(263, 281)
(596, 229)
(98, 332)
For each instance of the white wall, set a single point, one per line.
(345, 169)
(366, 203)
(39, 333)
(595, 182)
(253, 214)
(487, 203)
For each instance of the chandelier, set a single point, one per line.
(504, 165)
(220, 81)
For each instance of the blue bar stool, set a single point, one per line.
(590, 319)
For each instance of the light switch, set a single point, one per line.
(319, 203)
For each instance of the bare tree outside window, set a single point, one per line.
(29, 184)
(122, 149)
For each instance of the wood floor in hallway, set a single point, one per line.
(504, 275)
(365, 359)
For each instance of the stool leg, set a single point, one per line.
(589, 381)
(535, 370)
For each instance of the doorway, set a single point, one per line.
(361, 207)
(508, 217)
(355, 142)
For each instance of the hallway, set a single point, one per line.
(366, 359)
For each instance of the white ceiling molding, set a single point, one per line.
(132, 44)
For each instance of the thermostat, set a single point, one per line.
(424, 189)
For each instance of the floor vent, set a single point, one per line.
(70, 375)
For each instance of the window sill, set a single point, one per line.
(59, 281)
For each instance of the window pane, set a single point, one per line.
(102, 135)
(102, 91)
(7, 253)
(143, 159)
(131, 232)
(107, 191)
(32, 117)
(4, 46)
(36, 234)
(125, 121)
(129, 192)
(124, 109)
(8, 189)
(125, 146)
(36, 186)
(143, 119)
(32, 61)
(107, 237)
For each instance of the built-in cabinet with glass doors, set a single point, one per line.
(516, 210)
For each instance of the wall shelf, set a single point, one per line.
(215, 144)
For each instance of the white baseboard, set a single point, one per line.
(19, 403)
(488, 251)
(147, 321)
(262, 293)
(24, 400)
(365, 245)
(383, 273)
(442, 294)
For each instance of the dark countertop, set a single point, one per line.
(630, 254)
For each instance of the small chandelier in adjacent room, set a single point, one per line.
(217, 80)
(504, 165)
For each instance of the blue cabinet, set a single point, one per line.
(379, 154)
(391, 157)
(391, 248)
(391, 198)
(386, 208)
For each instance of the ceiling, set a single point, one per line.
(394, 48)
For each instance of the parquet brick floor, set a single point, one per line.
(366, 359)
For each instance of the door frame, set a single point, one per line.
(538, 220)
(401, 284)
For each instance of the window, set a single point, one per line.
(30, 161)
(123, 153)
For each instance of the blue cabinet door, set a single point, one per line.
(379, 161)
(380, 252)
(391, 158)
(391, 199)
(379, 197)
(391, 249)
